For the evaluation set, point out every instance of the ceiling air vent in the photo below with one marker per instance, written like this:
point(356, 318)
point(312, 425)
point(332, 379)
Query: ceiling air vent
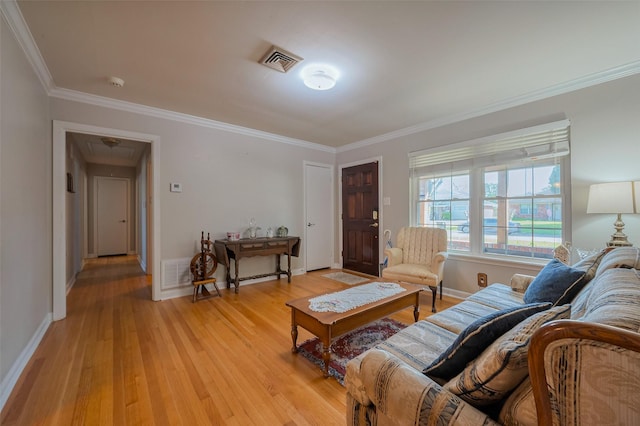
point(279, 59)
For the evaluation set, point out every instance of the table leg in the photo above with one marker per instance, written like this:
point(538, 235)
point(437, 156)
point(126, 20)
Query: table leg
point(289, 267)
point(236, 282)
point(278, 270)
point(326, 354)
point(294, 331)
point(416, 308)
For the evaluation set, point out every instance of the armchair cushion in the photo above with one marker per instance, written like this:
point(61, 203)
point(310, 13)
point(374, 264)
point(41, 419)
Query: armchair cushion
point(503, 365)
point(477, 337)
point(556, 283)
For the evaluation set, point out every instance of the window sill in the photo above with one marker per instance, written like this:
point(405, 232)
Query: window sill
point(505, 261)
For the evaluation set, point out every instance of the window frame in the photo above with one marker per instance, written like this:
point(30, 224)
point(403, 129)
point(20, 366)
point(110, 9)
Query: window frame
point(477, 192)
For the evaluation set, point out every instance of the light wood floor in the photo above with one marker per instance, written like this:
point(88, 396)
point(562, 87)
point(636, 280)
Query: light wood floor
point(120, 358)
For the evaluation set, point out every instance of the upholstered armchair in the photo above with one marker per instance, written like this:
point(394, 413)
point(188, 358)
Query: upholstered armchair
point(418, 258)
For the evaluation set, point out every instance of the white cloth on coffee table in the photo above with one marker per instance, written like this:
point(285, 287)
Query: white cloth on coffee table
point(345, 300)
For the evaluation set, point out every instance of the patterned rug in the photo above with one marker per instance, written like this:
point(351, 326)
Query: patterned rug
point(350, 345)
point(346, 278)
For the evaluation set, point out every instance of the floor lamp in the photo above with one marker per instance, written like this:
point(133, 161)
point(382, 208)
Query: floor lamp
point(617, 198)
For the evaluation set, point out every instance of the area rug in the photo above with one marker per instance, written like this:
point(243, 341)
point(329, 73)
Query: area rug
point(346, 278)
point(350, 345)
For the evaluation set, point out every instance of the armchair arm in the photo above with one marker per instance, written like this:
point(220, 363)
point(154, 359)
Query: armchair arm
point(405, 396)
point(437, 264)
point(394, 254)
point(582, 370)
point(520, 282)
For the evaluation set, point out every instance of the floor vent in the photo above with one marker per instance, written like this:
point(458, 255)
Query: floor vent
point(279, 59)
point(176, 273)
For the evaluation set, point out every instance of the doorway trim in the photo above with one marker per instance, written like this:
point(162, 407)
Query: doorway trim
point(380, 212)
point(60, 129)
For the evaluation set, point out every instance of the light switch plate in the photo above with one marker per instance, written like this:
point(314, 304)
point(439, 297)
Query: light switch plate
point(175, 187)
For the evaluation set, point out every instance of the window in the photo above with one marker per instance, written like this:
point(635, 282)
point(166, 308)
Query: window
point(502, 195)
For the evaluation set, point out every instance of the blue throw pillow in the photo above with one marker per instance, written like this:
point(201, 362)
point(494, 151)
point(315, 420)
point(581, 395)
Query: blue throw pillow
point(556, 283)
point(478, 336)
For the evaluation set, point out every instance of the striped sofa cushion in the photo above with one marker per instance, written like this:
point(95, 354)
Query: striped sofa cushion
point(503, 365)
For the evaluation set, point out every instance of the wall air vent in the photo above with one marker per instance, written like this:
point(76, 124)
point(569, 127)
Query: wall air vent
point(279, 59)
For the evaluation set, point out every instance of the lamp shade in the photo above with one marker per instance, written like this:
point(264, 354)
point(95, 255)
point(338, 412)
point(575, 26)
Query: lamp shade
point(614, 197)
point(636, 195)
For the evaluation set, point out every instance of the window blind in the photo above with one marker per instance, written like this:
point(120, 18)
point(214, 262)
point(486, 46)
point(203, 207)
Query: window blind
point(545, 141)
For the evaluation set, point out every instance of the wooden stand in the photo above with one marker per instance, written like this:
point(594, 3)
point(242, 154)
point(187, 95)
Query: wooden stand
point(247, 247)
point(203, 265)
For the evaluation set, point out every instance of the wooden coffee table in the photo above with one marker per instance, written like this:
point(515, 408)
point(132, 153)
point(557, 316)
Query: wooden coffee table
point(328, 325)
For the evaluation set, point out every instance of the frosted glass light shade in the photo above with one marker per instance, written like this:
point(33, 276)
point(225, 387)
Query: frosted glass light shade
point(319, 77)
point(614, 197)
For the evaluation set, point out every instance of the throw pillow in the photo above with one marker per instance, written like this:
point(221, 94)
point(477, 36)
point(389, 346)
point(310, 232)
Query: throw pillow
point(503, 365)
point(477, 337)
point(556, 283)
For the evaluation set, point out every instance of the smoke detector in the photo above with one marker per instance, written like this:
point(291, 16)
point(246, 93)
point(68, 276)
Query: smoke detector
point(115, 81)
point(279, 59)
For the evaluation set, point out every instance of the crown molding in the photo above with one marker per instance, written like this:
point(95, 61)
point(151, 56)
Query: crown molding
point(616, 73)
point(16, 22)
point(101, 101)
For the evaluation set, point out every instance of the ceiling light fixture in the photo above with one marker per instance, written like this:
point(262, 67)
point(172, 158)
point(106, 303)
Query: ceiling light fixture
point(115, 81)
point(320, 77)
point(110, 142)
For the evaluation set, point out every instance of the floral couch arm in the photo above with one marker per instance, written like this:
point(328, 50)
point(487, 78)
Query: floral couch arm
point(394, 255)
point(403, 396)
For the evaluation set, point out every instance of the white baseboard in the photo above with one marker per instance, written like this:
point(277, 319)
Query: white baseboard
point(10, 380)
point(70, 283)
point(456, 294)
point(142, 264)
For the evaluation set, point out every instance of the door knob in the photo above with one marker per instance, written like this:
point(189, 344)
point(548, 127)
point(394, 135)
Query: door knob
point(122, 221)
point(311, 224)
point(375, 225)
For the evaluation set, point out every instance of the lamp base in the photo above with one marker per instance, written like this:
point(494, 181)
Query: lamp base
point(619, 238)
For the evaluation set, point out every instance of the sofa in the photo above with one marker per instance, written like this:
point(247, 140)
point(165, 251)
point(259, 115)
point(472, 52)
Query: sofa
point(469, 364)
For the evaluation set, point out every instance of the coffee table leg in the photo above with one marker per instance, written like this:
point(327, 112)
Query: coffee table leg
point(326, 355)
point(294, 332)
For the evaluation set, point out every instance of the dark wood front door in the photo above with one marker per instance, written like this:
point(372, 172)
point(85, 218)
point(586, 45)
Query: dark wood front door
point(360, 218)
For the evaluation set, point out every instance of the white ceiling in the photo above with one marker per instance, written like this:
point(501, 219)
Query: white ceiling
point(402, 64)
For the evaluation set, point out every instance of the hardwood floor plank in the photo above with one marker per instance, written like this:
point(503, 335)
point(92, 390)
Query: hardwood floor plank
point(120, 358)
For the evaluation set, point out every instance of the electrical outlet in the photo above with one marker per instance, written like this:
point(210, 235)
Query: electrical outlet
point(482, 279)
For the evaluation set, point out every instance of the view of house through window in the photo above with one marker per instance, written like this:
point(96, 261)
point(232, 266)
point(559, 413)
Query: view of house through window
point(504, 205)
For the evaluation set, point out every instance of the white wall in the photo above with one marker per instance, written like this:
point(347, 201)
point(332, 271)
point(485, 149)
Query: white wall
point(605, 143)
point(226, 178)
point(25, 211)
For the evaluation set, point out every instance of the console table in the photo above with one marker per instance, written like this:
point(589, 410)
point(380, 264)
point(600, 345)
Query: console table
point(248, 247)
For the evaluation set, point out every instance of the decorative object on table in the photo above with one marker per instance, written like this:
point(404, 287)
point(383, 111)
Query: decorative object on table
point(282, 231)
point(269, 232)
point(346, 278)
point(233, 236)
point(349, 345)
point(253, 228)
point(203, 265)
point(617, 198)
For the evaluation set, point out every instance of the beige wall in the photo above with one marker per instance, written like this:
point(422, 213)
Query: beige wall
point(605, 143)
point(25, 208)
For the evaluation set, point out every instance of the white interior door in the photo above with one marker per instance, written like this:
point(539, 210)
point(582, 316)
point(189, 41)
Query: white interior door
point(112, 209)
point(319, 216)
